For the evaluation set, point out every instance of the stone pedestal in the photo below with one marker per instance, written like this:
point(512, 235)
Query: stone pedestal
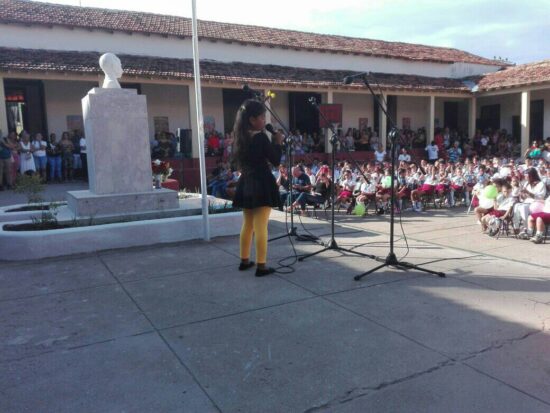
point(88, 204)
point(119, 159)
point(117, 140)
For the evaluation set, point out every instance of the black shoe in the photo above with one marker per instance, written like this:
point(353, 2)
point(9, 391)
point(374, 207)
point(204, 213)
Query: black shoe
point(245, 266)
point(260, 272)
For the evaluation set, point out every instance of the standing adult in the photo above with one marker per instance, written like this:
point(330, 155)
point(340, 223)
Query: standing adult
point(77, 160)
point(433, 152)
point(257, 191)
point(67, 148)
point(13, 140)
point(5, 163)
point(39, 153)
point(27, 165)
point(54, 158)
point(455, 153)
point(83, 157)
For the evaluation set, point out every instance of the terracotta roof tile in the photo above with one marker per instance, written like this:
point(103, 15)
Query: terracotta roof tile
point(521, 75)
point(30, 12)
point(33, 60)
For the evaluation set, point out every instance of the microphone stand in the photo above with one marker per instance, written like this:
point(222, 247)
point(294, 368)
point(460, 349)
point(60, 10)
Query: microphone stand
point(292, 232)
point(391, 258)
point(332, 245)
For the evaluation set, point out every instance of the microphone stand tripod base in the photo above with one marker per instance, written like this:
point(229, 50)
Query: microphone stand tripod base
point(293, 232)
point(391, 261)
point(333, 246)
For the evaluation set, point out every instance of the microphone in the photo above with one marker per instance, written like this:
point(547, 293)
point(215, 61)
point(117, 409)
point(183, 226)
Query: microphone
point(269, 127)
point(349, 79)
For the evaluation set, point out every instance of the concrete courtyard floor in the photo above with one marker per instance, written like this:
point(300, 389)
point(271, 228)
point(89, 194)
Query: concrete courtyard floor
point(177, 328)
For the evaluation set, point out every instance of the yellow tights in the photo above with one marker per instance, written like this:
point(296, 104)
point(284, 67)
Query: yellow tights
point(255, 222)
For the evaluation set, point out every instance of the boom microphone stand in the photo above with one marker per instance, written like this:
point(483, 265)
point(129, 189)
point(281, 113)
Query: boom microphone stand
point(391, 258)
point(332, 244)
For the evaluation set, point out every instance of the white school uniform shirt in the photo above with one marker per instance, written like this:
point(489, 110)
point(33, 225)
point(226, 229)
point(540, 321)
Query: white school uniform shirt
point(368, 188)
point(347, 183)
point(430, 181)
point(458, 180)
point(504, 204)
point(375, 178)
point(412, 180)
point(539, 192)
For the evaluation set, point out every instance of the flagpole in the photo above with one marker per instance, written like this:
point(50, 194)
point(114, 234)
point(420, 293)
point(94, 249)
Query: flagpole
point(200, 123)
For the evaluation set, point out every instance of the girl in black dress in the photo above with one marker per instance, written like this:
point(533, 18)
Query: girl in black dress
point(257, 191)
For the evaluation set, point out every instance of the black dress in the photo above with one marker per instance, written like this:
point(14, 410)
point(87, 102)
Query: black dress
point(257, 186)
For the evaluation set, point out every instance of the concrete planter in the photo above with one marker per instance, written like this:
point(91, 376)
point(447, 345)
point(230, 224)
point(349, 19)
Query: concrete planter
point(6, 216)
point(24, 245)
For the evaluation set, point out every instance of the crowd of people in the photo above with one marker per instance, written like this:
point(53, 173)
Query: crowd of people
point(454, 170)
point(53, 159)
point(521, 185)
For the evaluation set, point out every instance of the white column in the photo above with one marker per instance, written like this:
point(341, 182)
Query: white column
point(525, 120)
point(194, 126)
point(3, 114)
point(430, 127)
point(268, 104)
point(383, 123)
point(327, 132)
point(472, 114)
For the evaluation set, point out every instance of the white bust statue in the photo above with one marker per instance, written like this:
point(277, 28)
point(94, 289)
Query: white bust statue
point(111, 66)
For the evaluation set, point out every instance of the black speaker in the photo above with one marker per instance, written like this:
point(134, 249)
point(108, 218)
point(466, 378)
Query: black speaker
point(185, 138)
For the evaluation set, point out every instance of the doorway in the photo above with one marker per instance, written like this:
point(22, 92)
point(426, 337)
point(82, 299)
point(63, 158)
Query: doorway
point(450, 115)
point(490, 117)
point(302, 114)
point(25, 106)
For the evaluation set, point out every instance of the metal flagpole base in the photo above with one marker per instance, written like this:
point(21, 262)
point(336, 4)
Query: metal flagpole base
point(391, 261)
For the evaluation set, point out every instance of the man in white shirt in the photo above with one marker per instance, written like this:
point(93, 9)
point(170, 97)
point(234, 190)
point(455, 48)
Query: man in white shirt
point(433, 152)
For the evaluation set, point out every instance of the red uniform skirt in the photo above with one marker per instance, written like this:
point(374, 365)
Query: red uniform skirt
point(427, 189)
point(545, 216)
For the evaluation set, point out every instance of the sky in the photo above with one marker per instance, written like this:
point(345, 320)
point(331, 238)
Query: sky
point(518, 30)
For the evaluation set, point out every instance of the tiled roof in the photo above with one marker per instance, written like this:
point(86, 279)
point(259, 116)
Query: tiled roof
point(40, 61)
point(521, 75)
point(30, 12)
